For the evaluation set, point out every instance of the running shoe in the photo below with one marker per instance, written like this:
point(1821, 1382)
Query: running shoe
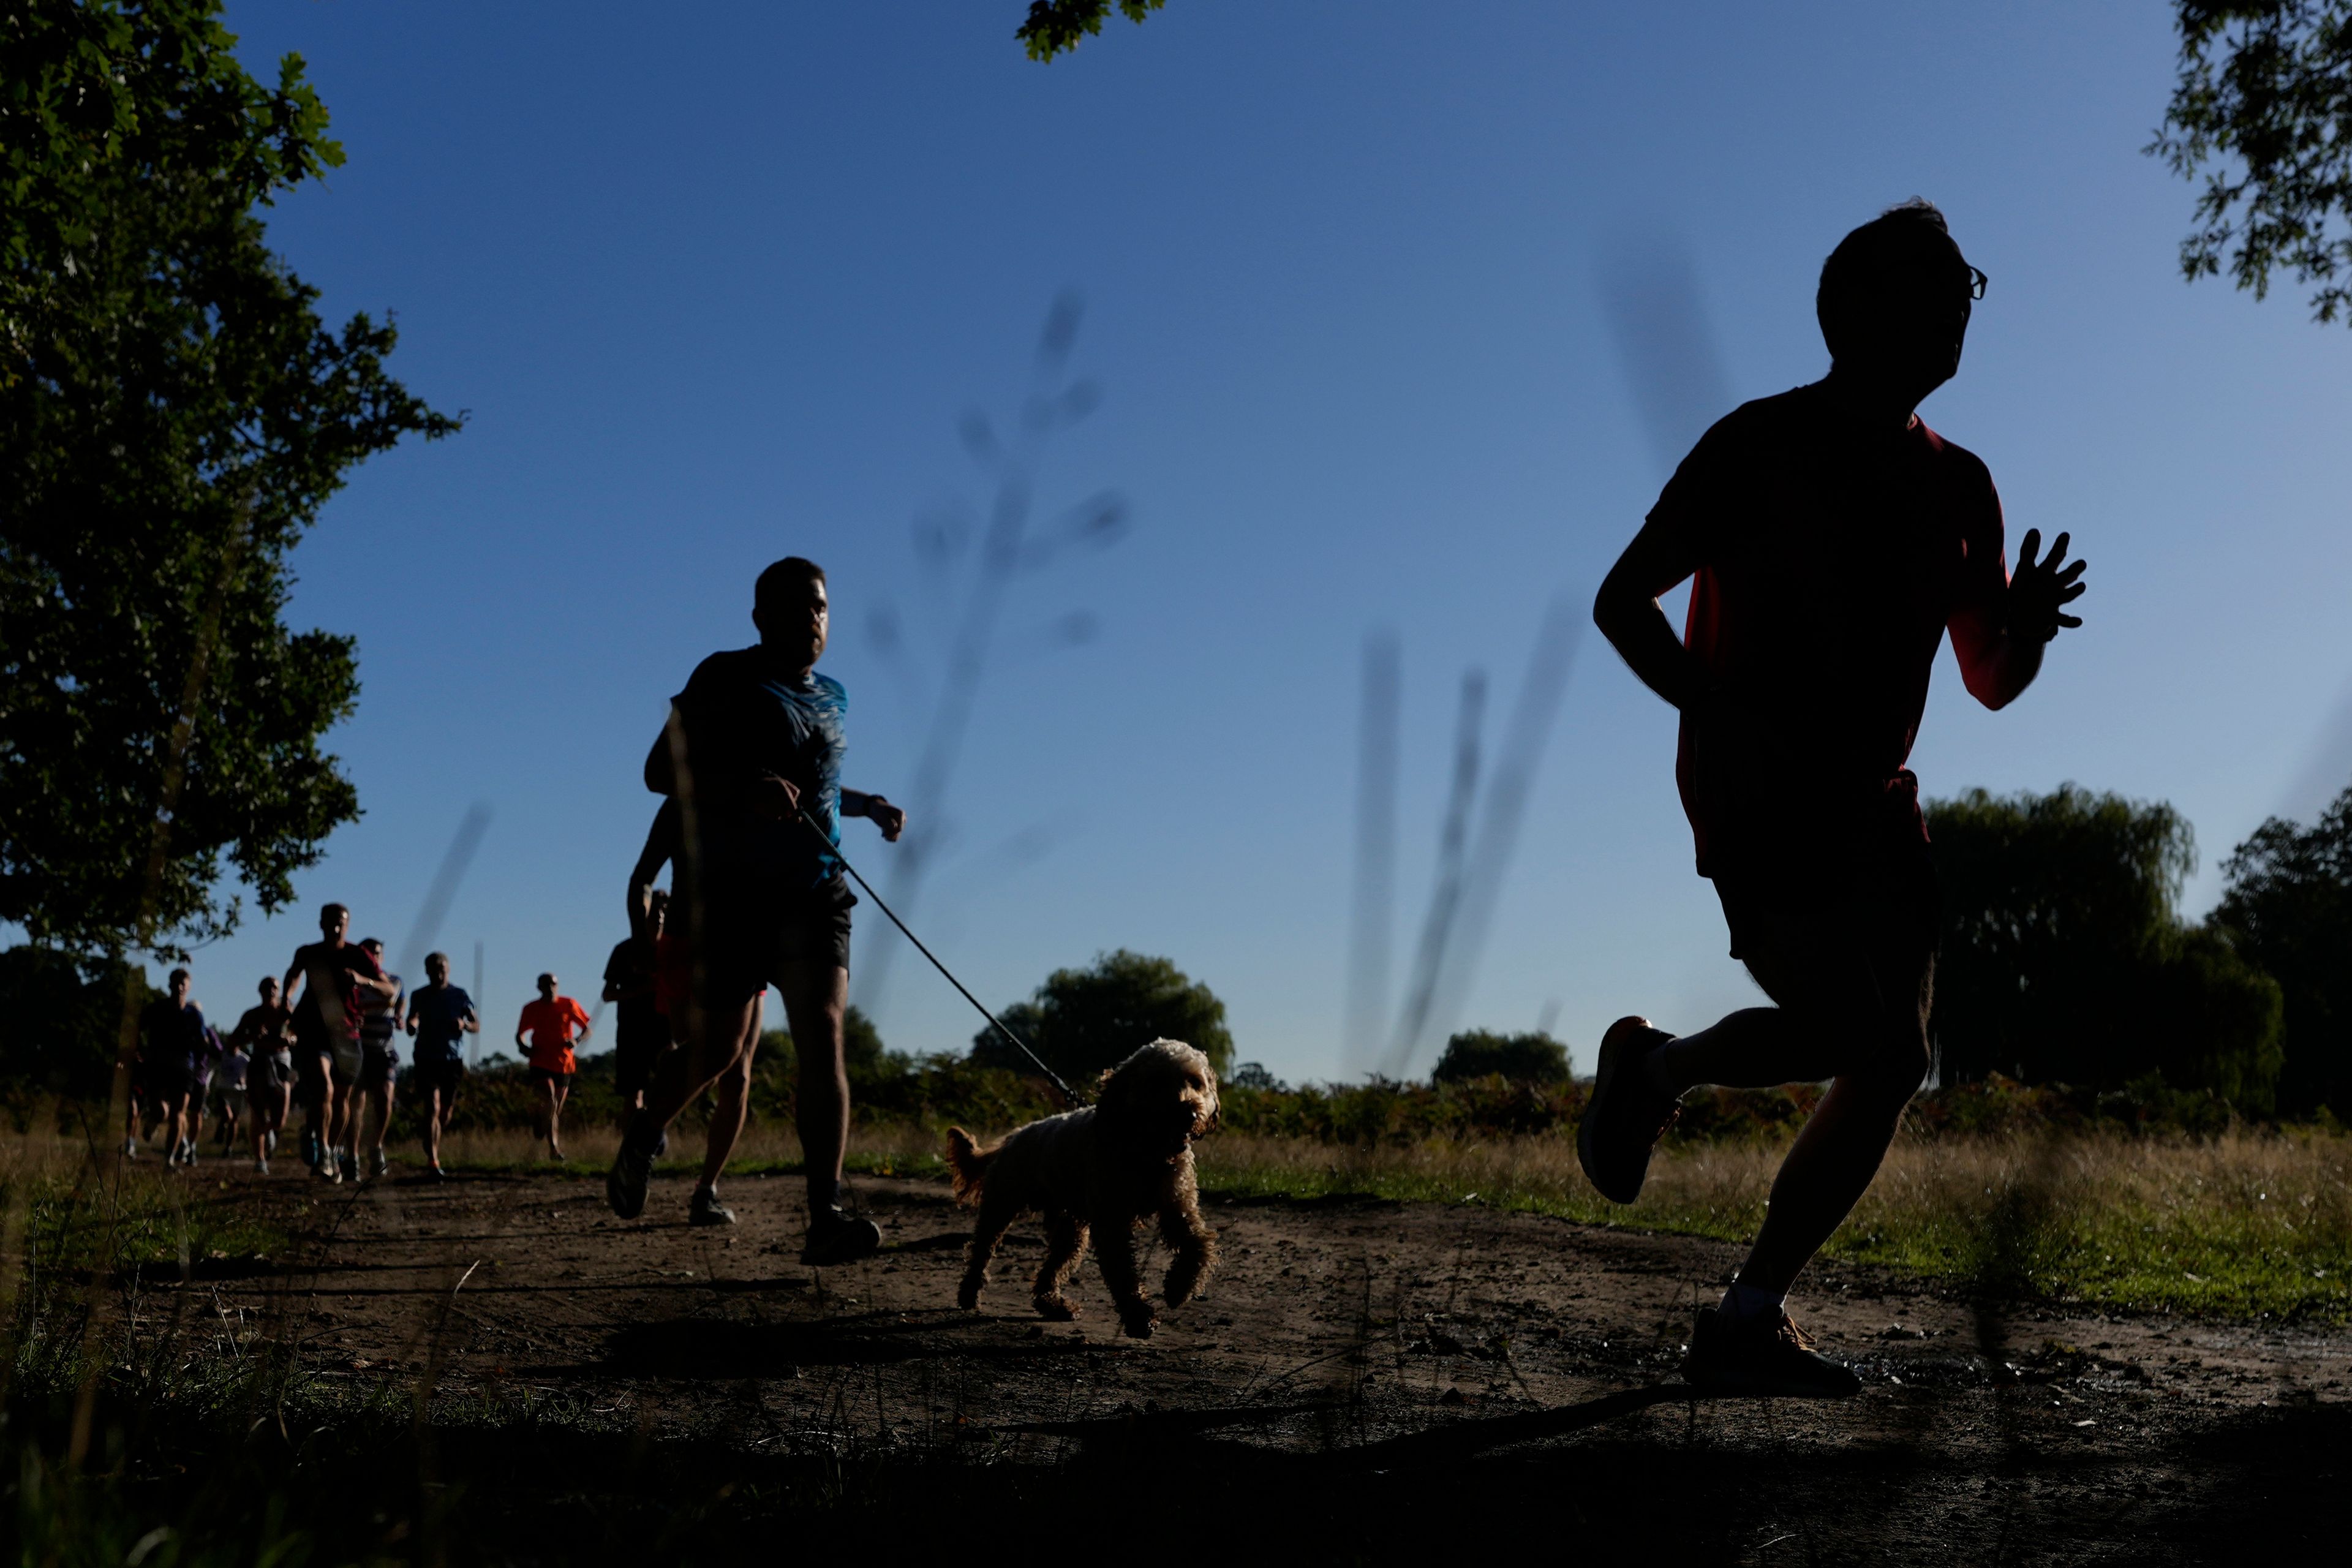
point(327, 1171)
point(377, 1164)
point(261, 1167)
point(835, 1238)
point(706, 1208)
point(1766, 1357)
point(311, 1147)
point(1626, 1115)
point(434, 1173)
point(348, 1160)
point(130, 1148)
point(269, 1142)
point(625, 1183)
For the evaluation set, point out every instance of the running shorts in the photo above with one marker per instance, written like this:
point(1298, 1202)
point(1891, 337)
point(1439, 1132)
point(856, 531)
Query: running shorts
point(378, 1069)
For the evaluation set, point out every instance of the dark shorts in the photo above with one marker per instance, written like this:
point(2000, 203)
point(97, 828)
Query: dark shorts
point(637, 1042)
point(748, 948)
point(440, 1078)
point(163, 1083)
point(547, 1077)
point(378, 1069)
point(1873, 922)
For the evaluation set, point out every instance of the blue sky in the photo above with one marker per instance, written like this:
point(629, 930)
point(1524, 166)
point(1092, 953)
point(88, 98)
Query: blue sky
point(718, 284)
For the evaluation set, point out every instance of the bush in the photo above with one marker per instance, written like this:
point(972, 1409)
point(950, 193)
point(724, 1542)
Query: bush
point(63, 1018)
point(1083, 1021)
point(1523, 1058)
point(2289, 909)
point(2063, 960)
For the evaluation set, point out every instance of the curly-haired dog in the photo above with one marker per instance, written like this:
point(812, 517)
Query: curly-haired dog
point(1100, 1169)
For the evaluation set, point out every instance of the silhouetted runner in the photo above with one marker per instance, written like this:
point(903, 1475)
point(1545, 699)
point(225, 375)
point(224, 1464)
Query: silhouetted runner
point(175, 1052)
point(1834, 538)
point(264, 1031)
point(756, 897)
point(335, 974)
point(440, 1016)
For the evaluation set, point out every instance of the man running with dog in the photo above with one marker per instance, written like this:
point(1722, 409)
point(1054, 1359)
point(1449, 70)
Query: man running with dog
point(757, 895)
point(1834, 540)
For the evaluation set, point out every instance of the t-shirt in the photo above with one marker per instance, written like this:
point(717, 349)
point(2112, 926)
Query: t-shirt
point(1830, 557)
point(329, 1008)
point(743, 720)
point(261, 1027)
point(551, 1025)
point(439, 1014)
point(173, 1039)
point(376, 1026)
point(232, 1069)
point(630, 972)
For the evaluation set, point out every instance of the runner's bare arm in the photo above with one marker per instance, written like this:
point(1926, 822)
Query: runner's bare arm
point(890, 819)
point(1628, 613)
point(661, 846)
point(2001, 647)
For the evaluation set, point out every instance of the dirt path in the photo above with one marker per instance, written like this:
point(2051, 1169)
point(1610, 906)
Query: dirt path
point(1412, 1339)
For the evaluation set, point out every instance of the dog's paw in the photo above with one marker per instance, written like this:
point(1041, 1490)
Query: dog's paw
point(1137, 1322)
point(1056, 1308)
point(968, 1297)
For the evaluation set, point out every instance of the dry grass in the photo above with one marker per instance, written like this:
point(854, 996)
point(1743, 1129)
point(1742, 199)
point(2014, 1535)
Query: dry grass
point(2245, 1225)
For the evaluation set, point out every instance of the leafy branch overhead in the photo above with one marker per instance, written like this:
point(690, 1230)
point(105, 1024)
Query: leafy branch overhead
point(173, 414)
point(1055, 27)
point(2263, 111)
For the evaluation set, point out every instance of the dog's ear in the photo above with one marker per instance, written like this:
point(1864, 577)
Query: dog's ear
point(1115, 1099)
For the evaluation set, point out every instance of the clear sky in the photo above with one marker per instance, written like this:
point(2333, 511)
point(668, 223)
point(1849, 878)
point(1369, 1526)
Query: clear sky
point(720, 283)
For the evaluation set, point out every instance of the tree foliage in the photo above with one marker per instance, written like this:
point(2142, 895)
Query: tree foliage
point(1082, 1021)
point(2063, 959)
point(1522, 1058)
point(172, 416)
point(2262, 111)
point(62, 1019)
point(2289, 907)
point(1055, 27)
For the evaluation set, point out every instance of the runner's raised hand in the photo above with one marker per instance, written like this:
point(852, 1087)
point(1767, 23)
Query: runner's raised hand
point(2040, 591)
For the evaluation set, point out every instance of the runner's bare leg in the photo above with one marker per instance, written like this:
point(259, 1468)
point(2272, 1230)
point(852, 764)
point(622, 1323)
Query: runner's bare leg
point(815, 1001)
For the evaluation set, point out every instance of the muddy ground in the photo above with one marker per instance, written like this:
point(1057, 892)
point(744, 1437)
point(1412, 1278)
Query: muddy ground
point(1362, 1378)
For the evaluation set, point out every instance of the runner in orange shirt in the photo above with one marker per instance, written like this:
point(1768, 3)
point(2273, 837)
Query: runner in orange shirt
point(554, 1024)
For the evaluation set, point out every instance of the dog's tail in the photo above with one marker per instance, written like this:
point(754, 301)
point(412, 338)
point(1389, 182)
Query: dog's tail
point(969, 1162)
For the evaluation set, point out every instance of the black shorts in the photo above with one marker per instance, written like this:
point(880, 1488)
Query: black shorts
point(1883, 909)
point(638, 1042)
point(545, 1076)
point(436, 1077)
point(378, 1069)
point(750, 948)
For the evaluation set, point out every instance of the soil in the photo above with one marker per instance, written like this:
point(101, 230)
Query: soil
point(1360, 1374)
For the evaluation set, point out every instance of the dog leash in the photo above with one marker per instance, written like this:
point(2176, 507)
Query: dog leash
point(994, 1022)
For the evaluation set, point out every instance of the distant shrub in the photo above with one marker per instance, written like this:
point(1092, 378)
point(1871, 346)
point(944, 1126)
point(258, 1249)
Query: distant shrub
point(1523, 1058)
point(1253, 1075)
point(1082, 1021)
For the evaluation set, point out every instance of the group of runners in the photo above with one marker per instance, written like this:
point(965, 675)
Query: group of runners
point(328, 1040)
point(1833, 540)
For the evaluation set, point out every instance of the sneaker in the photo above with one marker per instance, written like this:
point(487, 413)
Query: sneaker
point(1765, 1357)
point(1626, 1116)
point(835, 1238)
point(261, 1167)
point(130, 1148)
point(327, 1171)
point(706, 1208)
point(434, 1173)
point(625, 1183)
point(377, 1164)
point(348, 1161)
point(269, 1142)
point(310, 1148)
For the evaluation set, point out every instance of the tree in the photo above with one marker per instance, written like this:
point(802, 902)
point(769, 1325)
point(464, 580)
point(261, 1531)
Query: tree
point(2289, 907)
point(1055, 27)
point(1481, 1053)
point(172, 416)
point(2063, 959)
point(2263, 110)
point(1082, 1021)
point(61, 1019)
point(990, 1048)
